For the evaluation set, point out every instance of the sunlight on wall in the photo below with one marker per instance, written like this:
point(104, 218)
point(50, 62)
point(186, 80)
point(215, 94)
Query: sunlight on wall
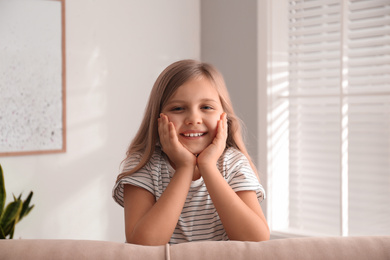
point(90, 99)
point(344, 167)
point(278, 147)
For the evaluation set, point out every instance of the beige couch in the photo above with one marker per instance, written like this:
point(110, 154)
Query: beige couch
point(294, 248)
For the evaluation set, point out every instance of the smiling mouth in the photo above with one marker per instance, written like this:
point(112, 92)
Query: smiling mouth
point(193, 134)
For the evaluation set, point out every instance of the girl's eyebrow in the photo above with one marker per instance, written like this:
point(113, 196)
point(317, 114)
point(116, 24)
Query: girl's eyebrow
point(204, 100)
point(210, 100)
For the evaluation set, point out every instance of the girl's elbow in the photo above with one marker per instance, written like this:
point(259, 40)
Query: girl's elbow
point(144, 239)
point(142, 242)
point(254, 235)
point(262, 234)
point(266, 233)
point(265, 236)
point(260, 237)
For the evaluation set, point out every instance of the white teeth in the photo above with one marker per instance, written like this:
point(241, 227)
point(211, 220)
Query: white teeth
point(193, 134)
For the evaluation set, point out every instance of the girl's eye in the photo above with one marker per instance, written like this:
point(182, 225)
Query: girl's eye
point(177, 109)
point(207, 107)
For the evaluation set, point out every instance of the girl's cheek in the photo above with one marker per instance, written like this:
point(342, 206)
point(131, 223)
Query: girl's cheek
point(175, 126)
point(215, 130)
point(215, 124)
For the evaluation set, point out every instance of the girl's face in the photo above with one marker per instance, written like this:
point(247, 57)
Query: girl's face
point(194, 109)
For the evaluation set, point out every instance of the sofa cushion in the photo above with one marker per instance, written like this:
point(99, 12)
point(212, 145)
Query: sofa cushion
point(42, 249)
point(293, 248)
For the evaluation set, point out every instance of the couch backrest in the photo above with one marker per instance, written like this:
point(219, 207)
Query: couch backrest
point(309, 248)
point(294, 248)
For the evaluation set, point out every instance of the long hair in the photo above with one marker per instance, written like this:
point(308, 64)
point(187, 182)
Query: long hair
point(165, 86)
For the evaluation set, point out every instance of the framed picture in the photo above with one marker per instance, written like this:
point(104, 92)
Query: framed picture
point(32, 77)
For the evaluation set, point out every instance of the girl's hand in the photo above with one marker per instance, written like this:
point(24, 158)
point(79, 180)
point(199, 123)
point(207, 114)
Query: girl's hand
point(171, 145)
point(210, 155)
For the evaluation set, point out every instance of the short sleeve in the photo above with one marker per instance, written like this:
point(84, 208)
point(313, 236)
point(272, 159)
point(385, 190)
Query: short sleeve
point(240, 175)
point(142, 179)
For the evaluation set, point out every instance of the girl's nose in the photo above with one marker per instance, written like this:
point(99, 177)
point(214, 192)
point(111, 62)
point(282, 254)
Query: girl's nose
point(193, 118)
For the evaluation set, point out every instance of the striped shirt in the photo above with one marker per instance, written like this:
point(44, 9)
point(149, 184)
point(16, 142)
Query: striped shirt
point(199, 219)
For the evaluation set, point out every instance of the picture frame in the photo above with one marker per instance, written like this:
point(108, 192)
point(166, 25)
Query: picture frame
point(32, 77)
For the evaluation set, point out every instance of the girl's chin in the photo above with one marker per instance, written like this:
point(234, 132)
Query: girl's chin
point(195, 148)
point(195, 151)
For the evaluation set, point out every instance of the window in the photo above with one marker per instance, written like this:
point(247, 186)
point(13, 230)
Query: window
point(329, 117)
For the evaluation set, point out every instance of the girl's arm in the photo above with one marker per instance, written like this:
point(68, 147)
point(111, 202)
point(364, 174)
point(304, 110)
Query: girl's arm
point(148, 222)
point(240, 213)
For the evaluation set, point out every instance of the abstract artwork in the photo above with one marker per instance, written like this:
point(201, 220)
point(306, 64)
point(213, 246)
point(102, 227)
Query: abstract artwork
point(32, 77)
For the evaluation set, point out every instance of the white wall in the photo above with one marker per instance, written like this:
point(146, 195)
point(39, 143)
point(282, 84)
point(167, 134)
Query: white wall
point(115, 50)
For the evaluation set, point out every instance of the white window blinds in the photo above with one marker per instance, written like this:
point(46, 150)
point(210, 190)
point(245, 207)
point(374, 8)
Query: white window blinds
point(329, 130)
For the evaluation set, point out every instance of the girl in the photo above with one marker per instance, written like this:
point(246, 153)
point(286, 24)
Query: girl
point(187, 175)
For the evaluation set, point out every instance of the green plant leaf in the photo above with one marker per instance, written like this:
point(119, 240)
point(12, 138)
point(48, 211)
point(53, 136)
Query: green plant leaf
point(28, 210)
point(11, 216)
point(11, 233)
point(26, 206)
point(3, 194)
point(12, 213)
point(2, 235)
point(9, 229)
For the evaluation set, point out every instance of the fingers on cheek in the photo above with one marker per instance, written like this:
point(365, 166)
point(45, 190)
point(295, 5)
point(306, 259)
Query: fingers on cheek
point(222, 125)
point(160, 128)
point(161, 123)
point(170, 128)
point(166, 119)
point(164, 123)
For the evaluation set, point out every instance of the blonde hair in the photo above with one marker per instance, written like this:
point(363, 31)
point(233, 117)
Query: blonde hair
point(174, 76)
